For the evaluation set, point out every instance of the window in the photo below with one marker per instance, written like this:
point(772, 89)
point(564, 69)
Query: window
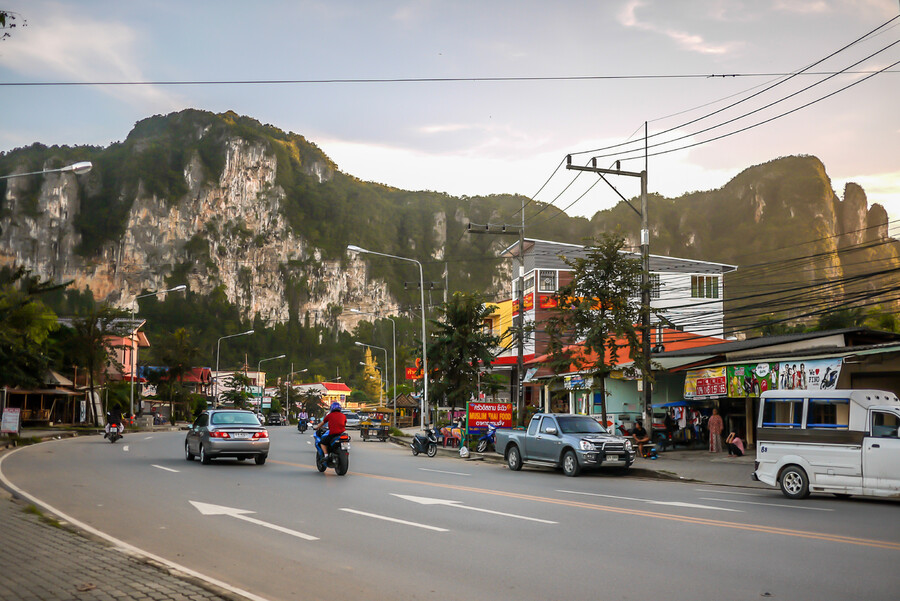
point(529, 283)
point(783, 413)
point(548, 422)
point(828, 413)
point(547, 281)
point(885, 425)
point(654, 285)
point(704, 286)
point(533, 426)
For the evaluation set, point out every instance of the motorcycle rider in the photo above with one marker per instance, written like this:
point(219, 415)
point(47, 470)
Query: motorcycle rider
point(336, 423)
point(113, 420)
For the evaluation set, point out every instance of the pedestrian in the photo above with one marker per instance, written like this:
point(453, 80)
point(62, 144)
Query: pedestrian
point(735, 445)
point(716, 426)
point(640, 436)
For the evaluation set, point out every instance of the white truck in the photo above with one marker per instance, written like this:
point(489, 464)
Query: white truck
point(843, 442)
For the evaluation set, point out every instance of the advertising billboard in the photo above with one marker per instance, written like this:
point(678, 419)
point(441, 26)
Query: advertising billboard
point(480, 414)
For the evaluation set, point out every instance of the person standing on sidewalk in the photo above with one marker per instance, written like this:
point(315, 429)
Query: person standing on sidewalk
point(716, 426)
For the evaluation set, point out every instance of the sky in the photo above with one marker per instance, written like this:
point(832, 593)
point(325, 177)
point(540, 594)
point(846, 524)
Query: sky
point(484, 97)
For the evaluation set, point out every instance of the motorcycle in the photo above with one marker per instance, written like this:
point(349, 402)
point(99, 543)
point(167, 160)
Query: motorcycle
point(488, 440)
point(115, 432)
point(338, 453)
point(302, 425)
point(425, 442)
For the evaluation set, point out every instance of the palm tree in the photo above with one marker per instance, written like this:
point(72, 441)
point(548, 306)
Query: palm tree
point(178, 354)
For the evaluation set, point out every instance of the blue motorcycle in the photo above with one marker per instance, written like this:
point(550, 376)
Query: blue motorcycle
point(488, 440)
point(338, 453)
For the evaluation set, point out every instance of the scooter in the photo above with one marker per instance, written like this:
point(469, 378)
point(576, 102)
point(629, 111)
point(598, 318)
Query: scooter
point(425, 442)
point(115, 432)
point(302, 425)
point(338, 453)
point(488, 440)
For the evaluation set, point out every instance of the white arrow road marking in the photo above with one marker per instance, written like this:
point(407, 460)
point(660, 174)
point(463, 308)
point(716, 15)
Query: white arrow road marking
point(651, 501)
point(768, 504)
point(125, 448)
point(430, 501)
point(395, 520)
point(168, 469)
point(147, 437)
point(209, 509)
point(425, 469)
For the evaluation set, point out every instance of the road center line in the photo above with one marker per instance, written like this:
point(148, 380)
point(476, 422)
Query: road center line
point(768, 504)
point(168, 469)
point(425, 469)
point(395, 520)
point(651, 501)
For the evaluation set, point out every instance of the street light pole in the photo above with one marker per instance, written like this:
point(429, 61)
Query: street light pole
point(385, 361)
point(258, 366)
point(76, 168)
point(287, 387)
point(134, 344)
point(393, 355)
point(218, 345)
point(357, 249)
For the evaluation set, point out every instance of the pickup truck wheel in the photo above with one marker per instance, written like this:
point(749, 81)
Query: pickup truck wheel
point(514, 458)
point(794, 482)
point(570, 464)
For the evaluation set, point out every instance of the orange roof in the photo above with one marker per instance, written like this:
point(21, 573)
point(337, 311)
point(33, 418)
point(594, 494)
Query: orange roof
point(336, 387)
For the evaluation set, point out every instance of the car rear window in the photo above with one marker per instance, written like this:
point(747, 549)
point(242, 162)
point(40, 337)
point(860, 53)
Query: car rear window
point(241, 419)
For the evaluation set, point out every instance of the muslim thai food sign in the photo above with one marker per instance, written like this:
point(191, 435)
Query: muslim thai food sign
point(480, 415)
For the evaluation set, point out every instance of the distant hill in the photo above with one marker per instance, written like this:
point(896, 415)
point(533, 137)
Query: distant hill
point(227, 203)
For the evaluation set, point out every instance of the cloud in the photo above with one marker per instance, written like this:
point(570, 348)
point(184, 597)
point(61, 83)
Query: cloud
point(61, 45)
point(689, 41)
point(803, 7)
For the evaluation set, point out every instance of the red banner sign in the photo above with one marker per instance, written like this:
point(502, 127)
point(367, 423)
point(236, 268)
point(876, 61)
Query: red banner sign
point(547, 302)
point(481, 414)
point(413, 373)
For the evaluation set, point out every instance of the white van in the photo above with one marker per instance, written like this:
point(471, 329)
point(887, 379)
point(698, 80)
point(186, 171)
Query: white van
point(843, 442)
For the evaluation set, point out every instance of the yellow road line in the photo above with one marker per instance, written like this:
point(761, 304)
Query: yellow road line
point(836, 538)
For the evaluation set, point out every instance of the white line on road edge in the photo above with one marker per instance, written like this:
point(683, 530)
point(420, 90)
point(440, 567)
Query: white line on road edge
point(120, 544)
point(651, 501)
point(395, 520)
point(768, 504)
point(425, 469)
point(168, 469)
point(210, 509)
point(430, 501)
point(729, 492)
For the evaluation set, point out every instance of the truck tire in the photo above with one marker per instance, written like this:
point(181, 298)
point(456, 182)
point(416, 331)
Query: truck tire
point(793, 482)
point(570, 463)
point(514, 458)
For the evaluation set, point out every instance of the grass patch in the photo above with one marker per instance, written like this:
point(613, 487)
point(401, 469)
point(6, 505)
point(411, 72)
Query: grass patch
point(33, 510)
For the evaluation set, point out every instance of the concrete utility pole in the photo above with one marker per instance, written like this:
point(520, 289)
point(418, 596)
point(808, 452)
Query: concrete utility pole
point(646, 396)
point(473, 228)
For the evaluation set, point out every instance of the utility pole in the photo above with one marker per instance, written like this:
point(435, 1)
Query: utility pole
point(473, 228)
point(646, 397)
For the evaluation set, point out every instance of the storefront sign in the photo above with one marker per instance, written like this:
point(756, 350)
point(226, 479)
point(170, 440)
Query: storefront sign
point(480, 414)
point(10, 422)
point(529, 301)
point(751, 380)
point(578, 382)
point(413, 373)
point(547, 302)
point(814, 374)
point(705, 383)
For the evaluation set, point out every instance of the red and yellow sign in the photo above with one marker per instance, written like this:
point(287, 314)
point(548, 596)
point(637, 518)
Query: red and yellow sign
point(480, 415)
point(547, 302)
point(709, 382)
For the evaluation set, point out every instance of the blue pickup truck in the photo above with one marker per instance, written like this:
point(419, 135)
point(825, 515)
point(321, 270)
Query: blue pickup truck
point(572, 442)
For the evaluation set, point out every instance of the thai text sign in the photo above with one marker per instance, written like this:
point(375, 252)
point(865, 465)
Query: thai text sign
point(709, 382)
point(10, 422)
point(413, 373)
point(480, 414)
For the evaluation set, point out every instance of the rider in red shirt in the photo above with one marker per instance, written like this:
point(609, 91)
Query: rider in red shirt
point(336, 423)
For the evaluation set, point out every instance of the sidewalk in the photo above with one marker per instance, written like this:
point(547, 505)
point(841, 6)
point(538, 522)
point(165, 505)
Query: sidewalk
point(697, 465)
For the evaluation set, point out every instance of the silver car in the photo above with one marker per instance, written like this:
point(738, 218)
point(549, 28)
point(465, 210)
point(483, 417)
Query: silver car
point(226, 433)
point(352, 419)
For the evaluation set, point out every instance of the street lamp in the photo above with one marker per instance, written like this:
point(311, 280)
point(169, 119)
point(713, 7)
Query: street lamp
point(357, 249)
point(134, 346)
point(385, 360)
point(258, 364)
point(216, 394)
point(287, 388)
point(76, 168)
point(394, 355)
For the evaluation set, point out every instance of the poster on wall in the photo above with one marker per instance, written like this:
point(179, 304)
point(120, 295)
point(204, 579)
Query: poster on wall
point(705, 383)
point(812, 374)
point(751, 380)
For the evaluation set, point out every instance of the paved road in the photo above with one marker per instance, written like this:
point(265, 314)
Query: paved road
point(417, 528)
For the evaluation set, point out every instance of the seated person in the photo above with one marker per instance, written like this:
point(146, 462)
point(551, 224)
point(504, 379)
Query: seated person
point(735, 445)
point(640, 436)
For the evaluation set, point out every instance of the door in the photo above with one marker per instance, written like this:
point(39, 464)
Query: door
point(545, 446)
point(193, 435)
point(881, 452)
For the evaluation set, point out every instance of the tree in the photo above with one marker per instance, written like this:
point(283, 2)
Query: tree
point(8, 21)
point(460, 348)
point(311, 402)
point(598, 310)
point(372, 382)
point(92, 343)
point(25, 326)
point(237, 394)
point(178, 353)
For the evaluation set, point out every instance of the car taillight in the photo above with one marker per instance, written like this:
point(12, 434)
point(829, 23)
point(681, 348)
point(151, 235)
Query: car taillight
point(215, 434)
point(263, 434)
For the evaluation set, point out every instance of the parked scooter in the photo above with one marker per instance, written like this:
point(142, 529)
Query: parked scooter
point(425, 442)
point(338, 453)
point(488, 440)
